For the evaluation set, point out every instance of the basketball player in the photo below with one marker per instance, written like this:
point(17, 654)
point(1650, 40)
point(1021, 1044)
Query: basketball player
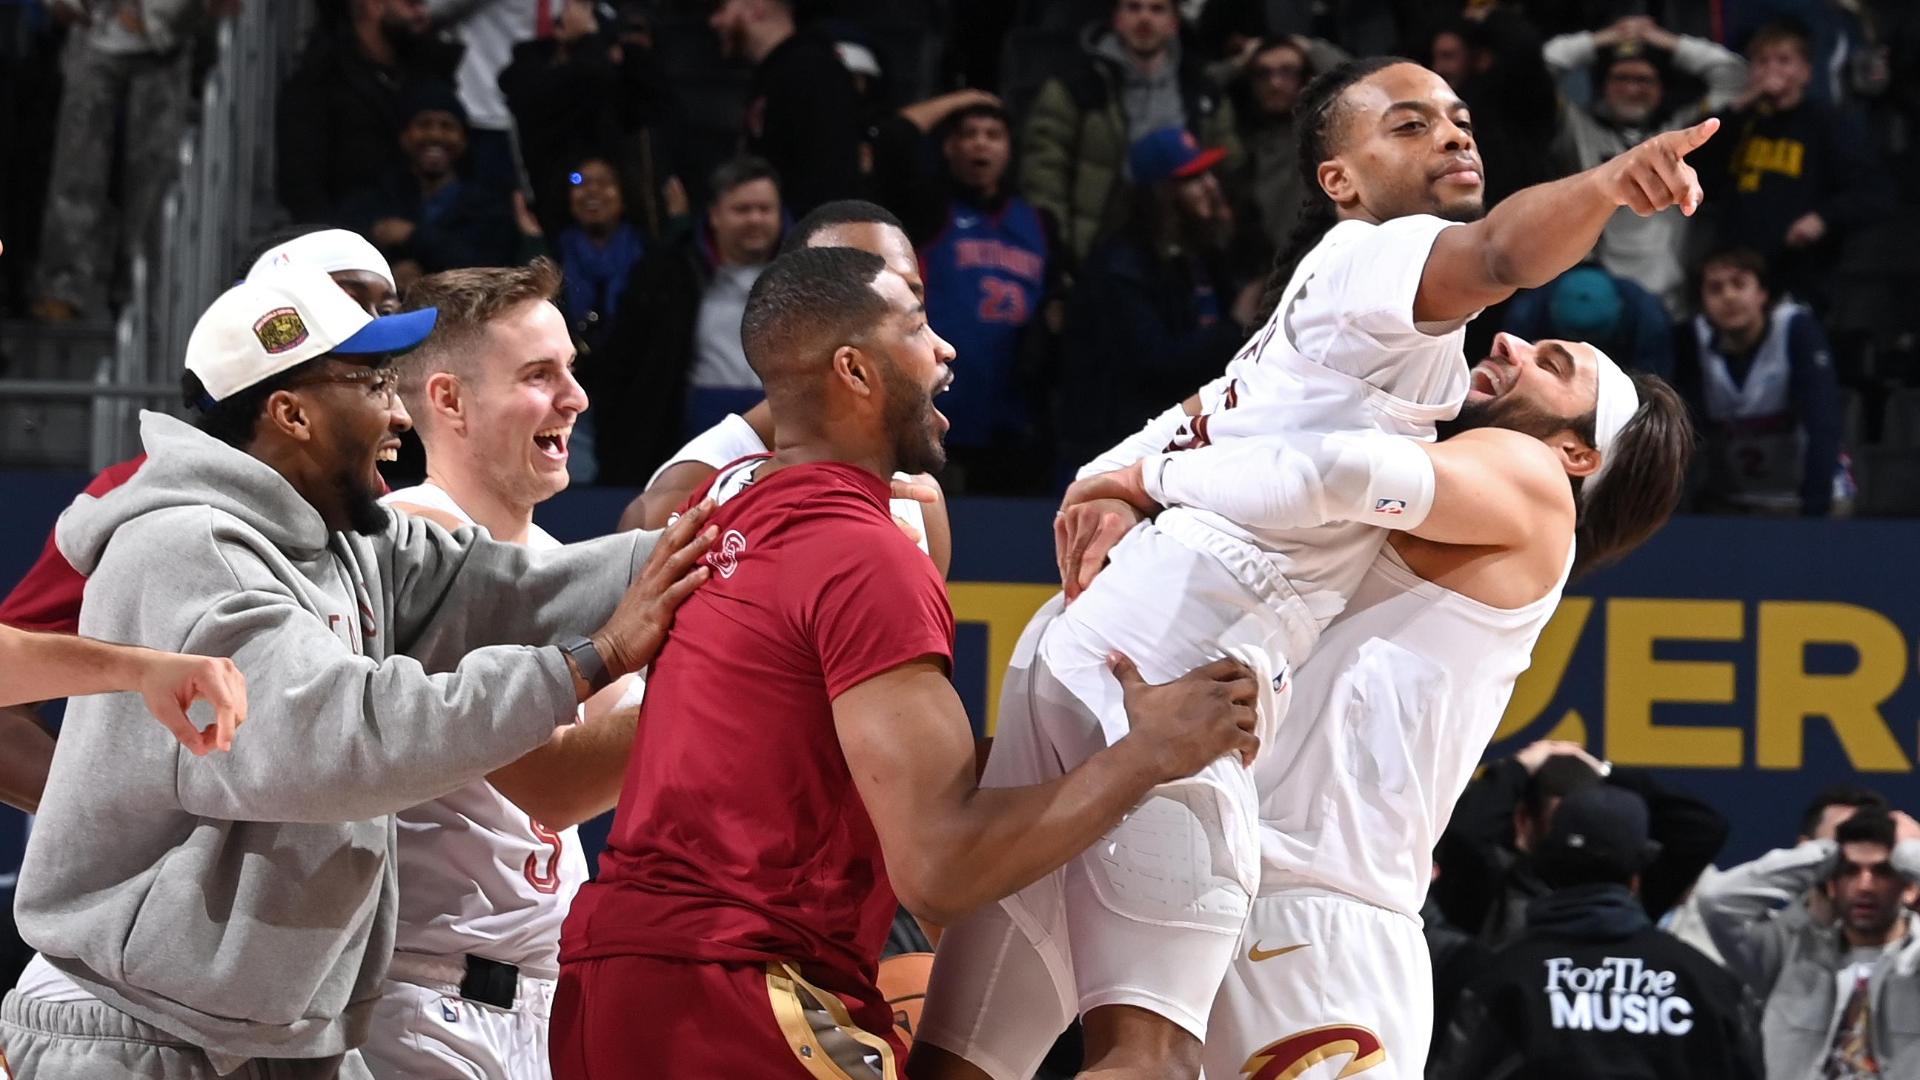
point(197, 917)
point(486, 872)
point(1366, 336)
point(802, 757)
point(47, 597)
point(917, 503)
point(39, 667)
point(1400, 697)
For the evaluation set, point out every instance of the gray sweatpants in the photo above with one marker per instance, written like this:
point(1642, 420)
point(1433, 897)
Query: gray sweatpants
point(44, 1040)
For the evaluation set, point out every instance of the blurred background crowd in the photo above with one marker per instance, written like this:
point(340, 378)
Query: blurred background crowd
point(1096, 189)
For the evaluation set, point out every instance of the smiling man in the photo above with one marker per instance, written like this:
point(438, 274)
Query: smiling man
point(487, 871)
point(201, 916)
point(803, 758)
point(1391, 262)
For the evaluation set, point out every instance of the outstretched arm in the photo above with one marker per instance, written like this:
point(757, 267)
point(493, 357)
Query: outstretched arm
point(951, 845)
point(577, 774)
point(1542, 231)
point(40, 667)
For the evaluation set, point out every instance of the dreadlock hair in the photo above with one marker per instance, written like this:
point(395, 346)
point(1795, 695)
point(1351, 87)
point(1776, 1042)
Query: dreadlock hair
point(1316, 117)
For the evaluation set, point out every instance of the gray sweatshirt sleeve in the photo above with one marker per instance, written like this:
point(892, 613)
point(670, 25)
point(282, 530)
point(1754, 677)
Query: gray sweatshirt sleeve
point(1747, 909)
point(451, 593)
point(1569, 52)
point(1906, 859)
point(332, 735)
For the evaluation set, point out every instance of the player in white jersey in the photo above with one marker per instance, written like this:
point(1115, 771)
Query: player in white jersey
point(1137, 934)
point(1403, 692)
point(487, 872)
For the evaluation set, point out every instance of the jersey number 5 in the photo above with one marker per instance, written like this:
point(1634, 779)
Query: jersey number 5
point(547, 880)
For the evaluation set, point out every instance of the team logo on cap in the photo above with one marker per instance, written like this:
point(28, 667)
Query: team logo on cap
point(279, 330)
point(1295, 1054)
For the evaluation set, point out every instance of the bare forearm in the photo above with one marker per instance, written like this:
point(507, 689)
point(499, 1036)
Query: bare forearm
point(28, 756)
point(1538, 233)
point(1000, 840)
point(40, 667)
point(576, 776)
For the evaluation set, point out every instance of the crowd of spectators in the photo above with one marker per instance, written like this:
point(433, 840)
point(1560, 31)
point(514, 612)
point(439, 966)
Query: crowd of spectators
point(1096, 206)
point(1579, 928)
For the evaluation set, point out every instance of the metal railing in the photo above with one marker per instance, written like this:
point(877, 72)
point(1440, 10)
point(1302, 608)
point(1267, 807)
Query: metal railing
point(219, 201)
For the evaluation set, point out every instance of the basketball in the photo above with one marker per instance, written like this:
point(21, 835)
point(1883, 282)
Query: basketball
point(903, 979)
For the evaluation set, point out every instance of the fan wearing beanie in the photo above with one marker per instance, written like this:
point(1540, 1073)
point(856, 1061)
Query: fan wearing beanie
point(1592, 988)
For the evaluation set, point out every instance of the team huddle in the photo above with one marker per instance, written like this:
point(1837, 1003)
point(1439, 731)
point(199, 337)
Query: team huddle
point(1294, 608)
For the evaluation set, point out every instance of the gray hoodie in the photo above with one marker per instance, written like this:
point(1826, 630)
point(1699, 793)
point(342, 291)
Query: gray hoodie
point(1151, 102)
point(245, 902)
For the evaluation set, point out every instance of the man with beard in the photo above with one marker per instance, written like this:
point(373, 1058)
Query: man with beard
point(1628, 61)
point(1839, 996)
point(1558, 462)
point(1365, 340)
point(802, 757)
point(199, 916)
point(916, 505)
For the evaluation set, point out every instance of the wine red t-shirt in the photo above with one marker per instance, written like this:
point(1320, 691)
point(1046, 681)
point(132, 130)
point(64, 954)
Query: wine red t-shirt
point(740, 836)
point(48, 597)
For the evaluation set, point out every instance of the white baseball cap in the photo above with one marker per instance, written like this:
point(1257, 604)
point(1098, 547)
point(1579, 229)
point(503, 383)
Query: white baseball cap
point(332, 250)
point(284, 317)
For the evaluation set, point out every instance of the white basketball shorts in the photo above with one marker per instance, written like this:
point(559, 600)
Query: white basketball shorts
point(1323, 986)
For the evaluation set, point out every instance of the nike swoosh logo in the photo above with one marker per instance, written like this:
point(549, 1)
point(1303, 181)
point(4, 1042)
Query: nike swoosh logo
point(1257, 954)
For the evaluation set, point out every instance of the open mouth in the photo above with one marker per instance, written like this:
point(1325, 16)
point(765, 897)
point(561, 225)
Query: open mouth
point(552, 442)
point(389, 451)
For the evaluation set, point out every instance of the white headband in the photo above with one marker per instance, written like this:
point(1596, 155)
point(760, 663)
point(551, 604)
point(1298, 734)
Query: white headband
point(331, 250)
point(1615, 402)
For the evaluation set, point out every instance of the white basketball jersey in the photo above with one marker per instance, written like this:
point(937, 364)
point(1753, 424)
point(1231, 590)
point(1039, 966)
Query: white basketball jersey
point(1341, 353)
point(1390, 716)
point(1757, 448)
point(733, 438)
point(477, 874)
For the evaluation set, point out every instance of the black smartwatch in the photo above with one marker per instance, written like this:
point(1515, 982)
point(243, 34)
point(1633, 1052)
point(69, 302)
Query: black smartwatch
point(586, 657)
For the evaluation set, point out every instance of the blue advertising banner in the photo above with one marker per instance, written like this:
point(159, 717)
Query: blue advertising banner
point(1751, 661)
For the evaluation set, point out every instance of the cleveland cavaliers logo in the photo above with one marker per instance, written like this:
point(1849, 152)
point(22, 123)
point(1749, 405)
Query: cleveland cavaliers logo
point(1295, 1054)
point(280, 330)
point(727, 559)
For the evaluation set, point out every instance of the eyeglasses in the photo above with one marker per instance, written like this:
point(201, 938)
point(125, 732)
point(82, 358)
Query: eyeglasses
point(382, 383)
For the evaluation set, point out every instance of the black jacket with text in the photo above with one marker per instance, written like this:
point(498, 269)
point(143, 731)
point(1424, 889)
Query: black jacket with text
point(1592, 991)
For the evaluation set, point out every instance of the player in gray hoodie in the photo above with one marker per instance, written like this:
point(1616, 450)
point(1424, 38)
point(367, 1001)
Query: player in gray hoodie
point(234, 914)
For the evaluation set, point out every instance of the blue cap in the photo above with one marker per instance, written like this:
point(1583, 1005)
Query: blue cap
point(390, 333)
point(1170, 154)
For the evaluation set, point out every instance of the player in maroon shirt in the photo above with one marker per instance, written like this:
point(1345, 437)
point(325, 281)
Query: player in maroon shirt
point(802, 757)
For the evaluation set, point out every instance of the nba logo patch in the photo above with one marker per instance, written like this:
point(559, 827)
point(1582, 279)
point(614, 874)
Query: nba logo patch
point(1390, 506)
point(449, 1011)
point(279, 330)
